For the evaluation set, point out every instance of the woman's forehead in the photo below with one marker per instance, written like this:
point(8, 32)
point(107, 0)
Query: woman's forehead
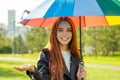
point(64, 24)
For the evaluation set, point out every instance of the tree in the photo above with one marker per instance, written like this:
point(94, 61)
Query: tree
point(5, 42)
point(36, 38)
point(103, 39)
point(20, 46)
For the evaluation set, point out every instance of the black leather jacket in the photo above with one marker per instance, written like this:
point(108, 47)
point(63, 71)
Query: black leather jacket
point(42, 71)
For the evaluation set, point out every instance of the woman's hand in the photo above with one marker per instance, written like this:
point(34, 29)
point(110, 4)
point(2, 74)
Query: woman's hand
point(81, 74)
point(25, 67)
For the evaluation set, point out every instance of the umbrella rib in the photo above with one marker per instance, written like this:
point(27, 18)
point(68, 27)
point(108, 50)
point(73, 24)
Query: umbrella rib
point(42, 22)
point(106, 20)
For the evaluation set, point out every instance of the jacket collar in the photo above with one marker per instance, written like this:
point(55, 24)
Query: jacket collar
point(73, 67)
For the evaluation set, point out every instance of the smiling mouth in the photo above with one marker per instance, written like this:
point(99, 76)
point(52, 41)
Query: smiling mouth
point(65, 38)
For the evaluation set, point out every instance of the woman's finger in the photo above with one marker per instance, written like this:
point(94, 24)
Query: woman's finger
point(83, 74)
point(21, 68)
point(25, 67)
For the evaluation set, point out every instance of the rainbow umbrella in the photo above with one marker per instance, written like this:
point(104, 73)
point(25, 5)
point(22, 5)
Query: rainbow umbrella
point(86, 13)
point(108, 12)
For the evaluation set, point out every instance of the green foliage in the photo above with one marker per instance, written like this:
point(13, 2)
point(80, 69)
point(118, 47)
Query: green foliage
point(6, 49)
point(37, 38)
point(5, 42)
point(102, 39)
point(19, 45)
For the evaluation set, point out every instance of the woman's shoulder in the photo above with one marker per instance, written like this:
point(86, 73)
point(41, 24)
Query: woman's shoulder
point(43, 56)
point(44, 52)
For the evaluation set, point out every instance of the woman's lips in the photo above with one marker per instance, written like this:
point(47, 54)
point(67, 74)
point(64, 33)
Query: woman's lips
point(64, 38)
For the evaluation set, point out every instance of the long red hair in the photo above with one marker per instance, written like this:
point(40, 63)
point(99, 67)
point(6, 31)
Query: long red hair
point(56, 65)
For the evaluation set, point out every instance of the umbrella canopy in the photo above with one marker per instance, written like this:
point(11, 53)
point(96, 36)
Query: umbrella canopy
point(92, 12)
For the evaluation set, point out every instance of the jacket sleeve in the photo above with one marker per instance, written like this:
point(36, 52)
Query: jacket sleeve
point(42, 70)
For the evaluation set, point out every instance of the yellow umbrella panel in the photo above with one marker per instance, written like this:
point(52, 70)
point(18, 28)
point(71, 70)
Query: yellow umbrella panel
point(113, 20)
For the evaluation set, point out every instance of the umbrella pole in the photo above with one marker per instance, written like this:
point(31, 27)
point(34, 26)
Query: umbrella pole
point(81, 60)
point(80, 34)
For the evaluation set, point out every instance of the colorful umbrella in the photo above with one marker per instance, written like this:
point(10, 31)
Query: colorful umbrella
point(86, 13)
point(88, 9)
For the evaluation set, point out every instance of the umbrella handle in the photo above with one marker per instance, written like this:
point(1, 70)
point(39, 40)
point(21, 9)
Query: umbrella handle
point(82, 67)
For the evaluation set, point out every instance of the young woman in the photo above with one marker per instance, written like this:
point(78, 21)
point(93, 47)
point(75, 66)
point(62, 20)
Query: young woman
point(60, 59)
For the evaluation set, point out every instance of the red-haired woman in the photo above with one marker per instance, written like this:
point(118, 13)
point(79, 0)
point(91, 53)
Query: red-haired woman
point(60, 59)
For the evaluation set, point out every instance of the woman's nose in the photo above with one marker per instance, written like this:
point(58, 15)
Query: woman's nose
point(65, 32)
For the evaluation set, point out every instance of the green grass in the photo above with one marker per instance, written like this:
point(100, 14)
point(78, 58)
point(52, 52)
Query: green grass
point(6, 66)
point(102, 74)
point(103, 60)
point(8, 73)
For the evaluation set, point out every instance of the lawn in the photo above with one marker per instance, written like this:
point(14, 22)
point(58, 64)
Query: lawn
point(6, 66)
point(8, 73)
point(103, 60)
point(102, 74)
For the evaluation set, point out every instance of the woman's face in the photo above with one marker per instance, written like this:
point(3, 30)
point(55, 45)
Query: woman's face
point(64, 33)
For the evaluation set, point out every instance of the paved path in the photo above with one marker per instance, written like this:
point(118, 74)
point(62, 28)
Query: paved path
point(16, 59)
point(88, 65)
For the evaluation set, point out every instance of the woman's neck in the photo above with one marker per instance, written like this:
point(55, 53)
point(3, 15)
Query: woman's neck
point(64, 47)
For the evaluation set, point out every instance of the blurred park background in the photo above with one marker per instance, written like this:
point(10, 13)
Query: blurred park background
point(22, 44)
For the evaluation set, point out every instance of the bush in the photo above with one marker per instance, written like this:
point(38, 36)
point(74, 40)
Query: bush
point(6, 49)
